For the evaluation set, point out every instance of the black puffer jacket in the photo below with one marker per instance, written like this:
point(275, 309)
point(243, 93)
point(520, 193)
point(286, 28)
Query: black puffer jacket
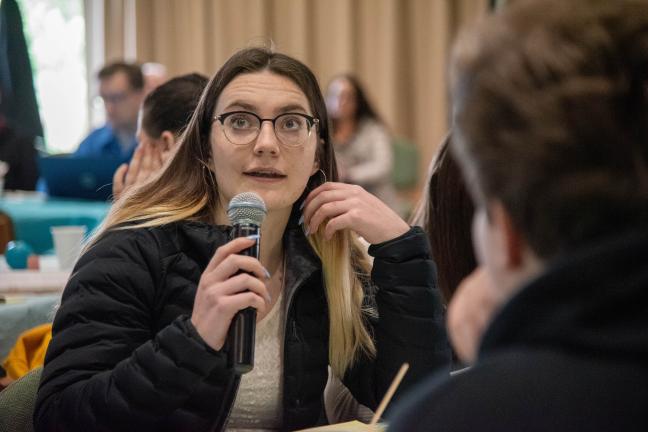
point(124, 355)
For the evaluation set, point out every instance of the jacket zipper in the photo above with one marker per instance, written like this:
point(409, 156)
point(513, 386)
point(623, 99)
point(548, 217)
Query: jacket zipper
point(289, 333)
point(223, 425)
point(298, 344)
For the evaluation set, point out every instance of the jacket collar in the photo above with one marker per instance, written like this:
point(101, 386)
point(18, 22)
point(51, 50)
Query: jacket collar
point(594, 301)
point(301, 259)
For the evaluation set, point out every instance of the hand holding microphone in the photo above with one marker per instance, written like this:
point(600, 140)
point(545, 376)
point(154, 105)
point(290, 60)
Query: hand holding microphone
point(233, 282)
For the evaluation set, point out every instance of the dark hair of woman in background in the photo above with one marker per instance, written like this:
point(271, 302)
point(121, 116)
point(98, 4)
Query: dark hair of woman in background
point(362, 142)
point(446, 213)
point(164, 114)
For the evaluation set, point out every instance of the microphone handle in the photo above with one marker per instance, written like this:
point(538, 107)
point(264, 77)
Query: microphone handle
point(242, 331)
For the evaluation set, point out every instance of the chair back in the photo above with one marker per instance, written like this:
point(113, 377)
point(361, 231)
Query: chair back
point(17, 403)
point(406, 159)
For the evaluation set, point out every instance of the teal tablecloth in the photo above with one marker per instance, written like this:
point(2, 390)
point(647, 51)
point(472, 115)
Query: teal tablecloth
point(33, 216)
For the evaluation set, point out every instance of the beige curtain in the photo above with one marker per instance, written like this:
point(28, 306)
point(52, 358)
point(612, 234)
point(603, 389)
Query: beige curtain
point(398, 48)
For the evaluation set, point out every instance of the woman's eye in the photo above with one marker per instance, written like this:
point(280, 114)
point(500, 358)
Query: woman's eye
point(240, 122)
point(292, 123)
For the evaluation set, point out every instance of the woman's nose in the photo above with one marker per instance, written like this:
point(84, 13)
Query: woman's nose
point(267, 141)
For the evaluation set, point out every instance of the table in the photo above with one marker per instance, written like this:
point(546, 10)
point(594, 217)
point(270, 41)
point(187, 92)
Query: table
point(18, 283)
point(33, 214)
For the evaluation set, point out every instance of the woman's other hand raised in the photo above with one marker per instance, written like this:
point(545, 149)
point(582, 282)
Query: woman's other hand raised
point(343, 206)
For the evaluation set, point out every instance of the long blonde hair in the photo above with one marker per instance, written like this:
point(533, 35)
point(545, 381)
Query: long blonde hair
point(187, 190)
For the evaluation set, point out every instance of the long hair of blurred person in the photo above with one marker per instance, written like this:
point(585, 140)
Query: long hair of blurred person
point(445, 212)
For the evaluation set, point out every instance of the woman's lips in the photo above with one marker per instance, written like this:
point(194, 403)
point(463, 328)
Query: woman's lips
point(265, 176)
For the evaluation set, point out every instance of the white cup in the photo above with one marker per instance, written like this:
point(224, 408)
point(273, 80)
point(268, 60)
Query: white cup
point(68, 241)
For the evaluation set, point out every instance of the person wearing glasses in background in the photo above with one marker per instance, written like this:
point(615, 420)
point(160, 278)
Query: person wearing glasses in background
point(139, 339)
point(121, 87)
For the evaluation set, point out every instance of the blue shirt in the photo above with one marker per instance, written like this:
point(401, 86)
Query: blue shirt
point(104, 142)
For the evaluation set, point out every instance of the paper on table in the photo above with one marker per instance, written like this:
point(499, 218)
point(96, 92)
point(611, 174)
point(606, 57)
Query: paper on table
point(352, 426)
point(356, 426)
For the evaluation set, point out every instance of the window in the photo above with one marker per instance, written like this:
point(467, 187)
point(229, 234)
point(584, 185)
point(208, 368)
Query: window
point(56, 38)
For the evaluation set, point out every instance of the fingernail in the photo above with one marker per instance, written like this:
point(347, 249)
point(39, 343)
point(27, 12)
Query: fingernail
point(301, 206)
point(307, 231)
point(267, 273)
point(269, 298)
point(301, 220)
point(253, 237)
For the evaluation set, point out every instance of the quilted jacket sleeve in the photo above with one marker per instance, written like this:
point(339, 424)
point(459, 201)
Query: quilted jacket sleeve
point(411, 323)
point(106, 369)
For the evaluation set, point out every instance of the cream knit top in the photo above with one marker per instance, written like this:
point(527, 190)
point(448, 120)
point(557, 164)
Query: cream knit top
point(258, 405)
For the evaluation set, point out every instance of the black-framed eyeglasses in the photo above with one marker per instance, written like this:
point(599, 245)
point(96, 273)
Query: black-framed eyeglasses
point(243, 127)
point(115, 98)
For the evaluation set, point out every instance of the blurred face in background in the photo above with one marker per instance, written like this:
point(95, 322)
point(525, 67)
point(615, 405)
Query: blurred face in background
point(341, 99)
point(121, 101)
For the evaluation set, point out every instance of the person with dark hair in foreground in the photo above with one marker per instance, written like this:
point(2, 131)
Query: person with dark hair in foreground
point(164, 114)
point(550, 111)
point(140, 339)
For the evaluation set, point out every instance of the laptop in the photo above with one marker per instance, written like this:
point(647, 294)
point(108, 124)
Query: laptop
point(79, 177)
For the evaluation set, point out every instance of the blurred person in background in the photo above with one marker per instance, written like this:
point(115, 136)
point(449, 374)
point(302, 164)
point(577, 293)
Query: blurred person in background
point(121, 86)
point(363, 145)
point(163, 117)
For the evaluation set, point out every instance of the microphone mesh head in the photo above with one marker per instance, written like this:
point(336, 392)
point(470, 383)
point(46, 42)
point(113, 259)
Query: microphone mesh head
point(246, 208)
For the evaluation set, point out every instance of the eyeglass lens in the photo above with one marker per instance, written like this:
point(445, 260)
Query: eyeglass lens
point(242, 128)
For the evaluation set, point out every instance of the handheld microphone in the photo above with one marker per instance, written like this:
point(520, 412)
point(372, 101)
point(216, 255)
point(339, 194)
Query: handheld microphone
point(246, 212)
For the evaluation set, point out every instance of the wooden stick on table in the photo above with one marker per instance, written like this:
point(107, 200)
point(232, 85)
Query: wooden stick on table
point(390, 392)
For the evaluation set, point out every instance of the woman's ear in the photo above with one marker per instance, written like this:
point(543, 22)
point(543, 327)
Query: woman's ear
point(318, 153)
point(168, 140)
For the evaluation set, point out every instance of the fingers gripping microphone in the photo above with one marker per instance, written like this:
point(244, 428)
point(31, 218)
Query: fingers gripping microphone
point(246, 212)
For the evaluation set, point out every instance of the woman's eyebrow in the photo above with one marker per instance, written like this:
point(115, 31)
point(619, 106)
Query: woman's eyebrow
point(292, 108)
point(240, 104)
